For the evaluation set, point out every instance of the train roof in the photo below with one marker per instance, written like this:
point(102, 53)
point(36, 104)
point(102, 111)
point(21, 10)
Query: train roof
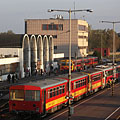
point(74, 76)
point(45, 83)
point(90, 71)
point(104, 67)
point(49, 82)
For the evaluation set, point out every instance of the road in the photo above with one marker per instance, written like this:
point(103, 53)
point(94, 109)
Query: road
point(100, 106)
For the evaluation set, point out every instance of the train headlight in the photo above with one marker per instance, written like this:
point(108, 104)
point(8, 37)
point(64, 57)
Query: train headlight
point(37, 109)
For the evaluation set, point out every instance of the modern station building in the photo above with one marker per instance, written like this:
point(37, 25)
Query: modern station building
point(59, 29)
point(25, 54)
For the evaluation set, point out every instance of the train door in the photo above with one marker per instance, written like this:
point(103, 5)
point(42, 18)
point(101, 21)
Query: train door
point(44, 101)
point(104, 79)
point(90, 82)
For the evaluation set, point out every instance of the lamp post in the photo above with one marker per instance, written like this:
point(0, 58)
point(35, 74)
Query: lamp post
point(112, 22)
point(69, 76)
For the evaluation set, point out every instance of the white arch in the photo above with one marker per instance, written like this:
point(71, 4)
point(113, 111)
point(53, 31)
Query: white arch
point(33, 46)
point(51, 49)
point(45, 51)
point(26, 53)
point(40, 51)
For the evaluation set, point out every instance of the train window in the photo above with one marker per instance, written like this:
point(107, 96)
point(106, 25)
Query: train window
point(96, 77)
point(110, 73)
point(50, 93)
point(54, 92)
point(63, 88)
point(60, 89)
point(32, 95)
point(57, 90)
point(80, 83)
point(118, 69)
point(63, 63)
point(17, 95)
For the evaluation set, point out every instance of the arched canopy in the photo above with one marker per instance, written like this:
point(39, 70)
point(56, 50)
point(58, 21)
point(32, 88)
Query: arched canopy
point(33, 46)
point(51, 49)
point(26, 52)
point(40, 51)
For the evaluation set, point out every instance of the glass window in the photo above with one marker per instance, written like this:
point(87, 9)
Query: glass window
point(50, 93)
point(63, 88)
point(17, 95)
point(32, 95)
point(60, 89)
point(57, 90)
point(44, 27)
point(54, 92)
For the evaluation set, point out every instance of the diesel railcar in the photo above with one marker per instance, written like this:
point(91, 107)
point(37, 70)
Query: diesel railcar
point(49, 95)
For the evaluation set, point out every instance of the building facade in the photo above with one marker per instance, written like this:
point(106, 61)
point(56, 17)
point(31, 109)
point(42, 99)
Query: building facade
point(59, 29)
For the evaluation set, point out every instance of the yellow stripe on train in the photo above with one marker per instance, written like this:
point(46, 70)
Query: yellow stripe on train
point(55, 102)
point(96, 85)
point(79, 92)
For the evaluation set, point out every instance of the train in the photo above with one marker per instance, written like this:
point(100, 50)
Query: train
point(78, 64)
point(51, 94)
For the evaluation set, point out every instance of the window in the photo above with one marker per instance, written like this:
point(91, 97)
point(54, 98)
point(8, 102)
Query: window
point(55, 47)
point(57, 90)
point(32, 95)
point(52, 26)
point(44, 27)
point(96, 77)
point(63, 88)
point(82, 28)
point(54, 92)
point(60, 89)
point(17, 95)
point(110, 73)
point(50, 93)
point(54, 36)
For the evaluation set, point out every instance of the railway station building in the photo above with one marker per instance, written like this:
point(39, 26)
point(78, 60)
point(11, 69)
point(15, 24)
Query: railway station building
point(59, 29)
point(31, 52)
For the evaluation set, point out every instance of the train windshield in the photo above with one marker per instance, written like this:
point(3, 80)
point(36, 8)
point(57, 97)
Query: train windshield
point(32, 95)
point(17, 95)
point(63, 63)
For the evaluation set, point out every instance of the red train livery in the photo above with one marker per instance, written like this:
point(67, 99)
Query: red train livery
point(78, 64)
point(49, 95)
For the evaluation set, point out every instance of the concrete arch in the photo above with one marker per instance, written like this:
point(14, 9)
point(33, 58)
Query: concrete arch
point(40, 51)
point(46, 53)
point(51, 49)
point(26, 54)
point(33, 46)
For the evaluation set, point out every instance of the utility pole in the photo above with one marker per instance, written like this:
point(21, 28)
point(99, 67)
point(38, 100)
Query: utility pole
point(69, 76)
point(112, 22)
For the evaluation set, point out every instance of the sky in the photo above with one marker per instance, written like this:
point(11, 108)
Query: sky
point(14, 12)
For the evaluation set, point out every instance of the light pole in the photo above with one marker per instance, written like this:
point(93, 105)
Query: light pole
point(69, 76)
point(112, 22)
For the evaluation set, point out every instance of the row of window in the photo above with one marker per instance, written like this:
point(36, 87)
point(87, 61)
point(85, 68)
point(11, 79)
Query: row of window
point(56, 91)
point(79, 83)
point(96, 77)
point(52, 27)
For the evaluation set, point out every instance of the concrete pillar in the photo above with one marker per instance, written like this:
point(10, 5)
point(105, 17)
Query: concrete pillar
point(40, 51)
point(33, 47)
